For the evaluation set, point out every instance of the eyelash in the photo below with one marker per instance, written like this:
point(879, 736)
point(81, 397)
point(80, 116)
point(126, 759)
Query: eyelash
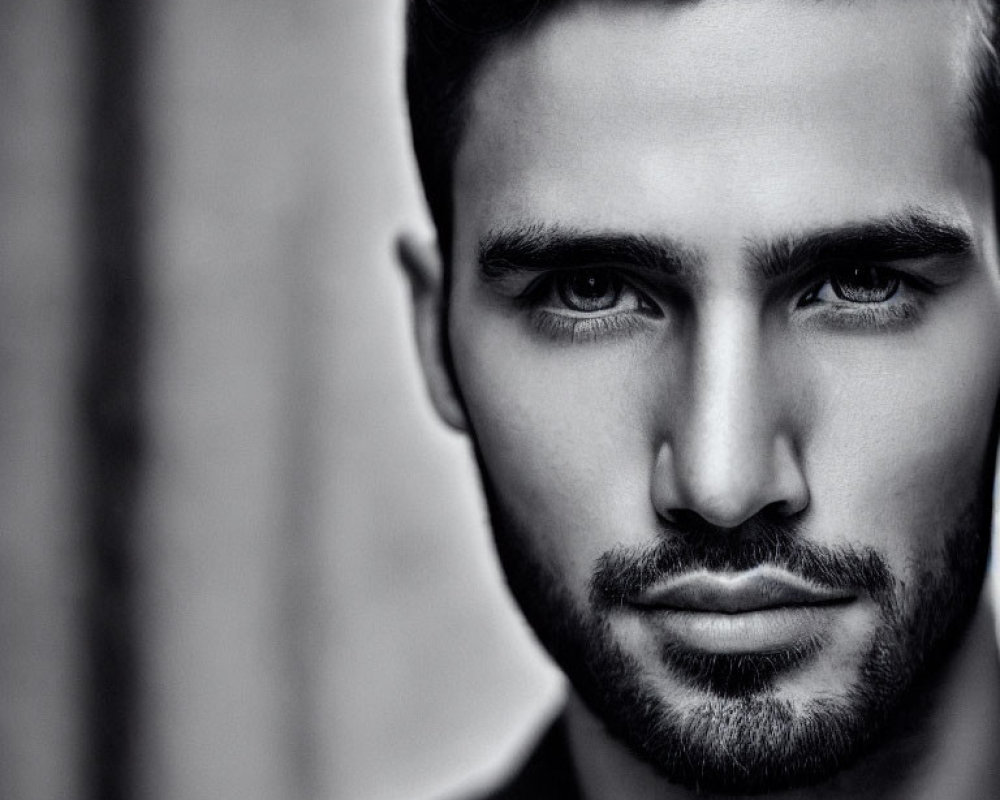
point(565, 325)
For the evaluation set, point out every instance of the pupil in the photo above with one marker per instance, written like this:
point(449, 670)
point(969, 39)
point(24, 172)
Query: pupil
point(591, 284)
point(869, 278)
point(589, 290)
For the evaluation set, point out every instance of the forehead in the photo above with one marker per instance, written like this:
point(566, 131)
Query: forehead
point(764, 111)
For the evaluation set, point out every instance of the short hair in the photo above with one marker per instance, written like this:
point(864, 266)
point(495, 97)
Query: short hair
point(447, 41)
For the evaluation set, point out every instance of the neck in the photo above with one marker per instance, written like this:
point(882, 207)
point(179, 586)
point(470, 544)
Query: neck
point(952, 752)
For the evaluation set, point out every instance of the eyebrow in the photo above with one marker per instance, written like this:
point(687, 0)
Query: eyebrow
point(537, 247)
point(913, 234)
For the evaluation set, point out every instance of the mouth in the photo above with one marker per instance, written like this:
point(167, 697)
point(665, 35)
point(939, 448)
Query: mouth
point(761, 589)
point(765, 610)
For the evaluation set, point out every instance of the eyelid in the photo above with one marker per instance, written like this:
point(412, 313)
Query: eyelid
point(544, 282)
point(912, 271)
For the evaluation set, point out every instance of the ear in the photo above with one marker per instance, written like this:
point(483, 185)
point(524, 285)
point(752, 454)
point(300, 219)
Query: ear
point(421, 262)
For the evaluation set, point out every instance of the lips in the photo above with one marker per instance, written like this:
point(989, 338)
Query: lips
point(761, 589)
point(764, 610)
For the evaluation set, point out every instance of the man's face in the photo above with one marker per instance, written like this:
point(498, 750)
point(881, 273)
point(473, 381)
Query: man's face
point(723, 318)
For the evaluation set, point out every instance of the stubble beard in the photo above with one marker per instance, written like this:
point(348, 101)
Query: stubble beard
point(741, 738)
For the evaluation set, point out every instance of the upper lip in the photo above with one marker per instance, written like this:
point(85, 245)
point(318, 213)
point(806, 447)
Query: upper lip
point(737, 592)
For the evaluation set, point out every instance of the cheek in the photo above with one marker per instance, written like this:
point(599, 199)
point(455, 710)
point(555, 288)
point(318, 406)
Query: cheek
point(899, 447)
point(562, 440)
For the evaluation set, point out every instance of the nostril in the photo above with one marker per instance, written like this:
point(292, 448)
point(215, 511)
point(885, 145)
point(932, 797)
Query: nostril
point(783, 510)
point(693, 522)
point(720, 523)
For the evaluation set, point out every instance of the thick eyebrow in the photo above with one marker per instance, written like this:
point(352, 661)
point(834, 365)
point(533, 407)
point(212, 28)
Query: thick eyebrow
point(913, 234)
point(513, 250)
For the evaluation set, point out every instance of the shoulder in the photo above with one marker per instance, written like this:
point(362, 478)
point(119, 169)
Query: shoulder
point(546, 773)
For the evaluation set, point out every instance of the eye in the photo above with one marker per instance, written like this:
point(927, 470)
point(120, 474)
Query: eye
point(586, 304)
point(859, 284)
point(866, 297)
point(589, 290)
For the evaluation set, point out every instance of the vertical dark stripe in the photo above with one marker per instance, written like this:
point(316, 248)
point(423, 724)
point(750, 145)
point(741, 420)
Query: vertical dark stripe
point(114, 427)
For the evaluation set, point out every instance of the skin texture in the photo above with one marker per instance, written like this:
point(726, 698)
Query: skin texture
point(716, 399)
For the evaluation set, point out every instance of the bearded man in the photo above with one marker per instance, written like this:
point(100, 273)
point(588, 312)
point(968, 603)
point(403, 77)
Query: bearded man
point(716, 298)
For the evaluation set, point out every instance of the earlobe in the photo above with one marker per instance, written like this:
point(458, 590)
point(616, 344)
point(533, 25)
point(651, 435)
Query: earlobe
point(421, 262)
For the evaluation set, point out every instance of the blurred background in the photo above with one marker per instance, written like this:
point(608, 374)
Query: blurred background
point(239, 558)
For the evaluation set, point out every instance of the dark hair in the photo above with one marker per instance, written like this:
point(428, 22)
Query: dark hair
point(447, 40)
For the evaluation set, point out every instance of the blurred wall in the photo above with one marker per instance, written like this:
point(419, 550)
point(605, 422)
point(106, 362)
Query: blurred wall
point(42, 560)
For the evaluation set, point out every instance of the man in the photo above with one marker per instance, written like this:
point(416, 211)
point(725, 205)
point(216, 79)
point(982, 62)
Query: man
point(716, 302)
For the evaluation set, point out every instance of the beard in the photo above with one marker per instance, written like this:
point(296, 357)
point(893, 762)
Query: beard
point(739, 737)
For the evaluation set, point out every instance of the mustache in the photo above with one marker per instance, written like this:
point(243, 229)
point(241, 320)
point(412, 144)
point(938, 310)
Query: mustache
point(623, 573)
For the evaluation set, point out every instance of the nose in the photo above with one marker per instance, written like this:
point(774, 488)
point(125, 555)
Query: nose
point(730, 444)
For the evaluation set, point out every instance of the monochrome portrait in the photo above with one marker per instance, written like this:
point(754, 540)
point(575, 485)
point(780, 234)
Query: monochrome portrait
point(499, 399)
point(713, 297)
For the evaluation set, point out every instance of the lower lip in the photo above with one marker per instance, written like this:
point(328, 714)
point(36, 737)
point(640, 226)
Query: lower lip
point(767, 630)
